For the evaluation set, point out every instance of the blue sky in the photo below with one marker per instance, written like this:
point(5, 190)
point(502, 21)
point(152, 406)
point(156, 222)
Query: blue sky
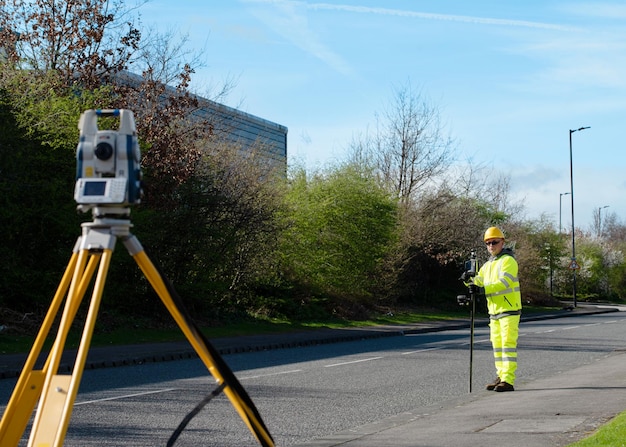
point(510, 80)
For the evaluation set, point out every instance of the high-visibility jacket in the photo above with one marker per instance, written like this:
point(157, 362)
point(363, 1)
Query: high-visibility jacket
point(499, 278)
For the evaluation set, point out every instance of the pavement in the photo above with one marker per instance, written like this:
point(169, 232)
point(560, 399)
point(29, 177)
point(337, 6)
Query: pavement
point(553, 411)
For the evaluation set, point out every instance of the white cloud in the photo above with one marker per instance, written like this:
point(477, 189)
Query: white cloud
point(536, 177)
point(540, 188)
point(596, 58)
point(605, 10)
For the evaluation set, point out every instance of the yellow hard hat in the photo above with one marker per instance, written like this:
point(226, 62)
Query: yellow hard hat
point(493, 233)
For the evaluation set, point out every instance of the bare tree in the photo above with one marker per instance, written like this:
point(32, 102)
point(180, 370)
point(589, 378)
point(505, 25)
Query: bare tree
point(614, 228)
point(85, 40)
point(410, 146)
point(602, 221)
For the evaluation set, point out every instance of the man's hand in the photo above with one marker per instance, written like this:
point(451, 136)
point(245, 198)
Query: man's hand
point(466, 276)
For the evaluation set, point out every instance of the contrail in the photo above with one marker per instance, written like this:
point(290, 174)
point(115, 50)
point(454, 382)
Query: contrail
point(423, 15)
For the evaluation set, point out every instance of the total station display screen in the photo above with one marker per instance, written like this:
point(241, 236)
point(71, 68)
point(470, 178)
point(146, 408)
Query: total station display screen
point(95, 188)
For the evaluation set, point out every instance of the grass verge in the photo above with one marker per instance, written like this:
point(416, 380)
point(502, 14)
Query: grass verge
point(612, 434)
point(133, 333)
point(137, 333)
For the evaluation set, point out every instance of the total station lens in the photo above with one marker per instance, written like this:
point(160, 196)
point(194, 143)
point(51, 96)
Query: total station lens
point(103, 151)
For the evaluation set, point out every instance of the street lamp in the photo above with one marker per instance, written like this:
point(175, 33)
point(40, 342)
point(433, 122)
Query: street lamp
point(548, 248)
point(573, 265)
point(560, 207)
point(600, 219)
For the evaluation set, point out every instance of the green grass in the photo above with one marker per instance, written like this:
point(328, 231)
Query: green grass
point(612, 434)
point(135, 333)
point(10, 344)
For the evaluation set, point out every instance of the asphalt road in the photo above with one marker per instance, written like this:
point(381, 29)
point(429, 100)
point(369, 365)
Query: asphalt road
point(310, 392)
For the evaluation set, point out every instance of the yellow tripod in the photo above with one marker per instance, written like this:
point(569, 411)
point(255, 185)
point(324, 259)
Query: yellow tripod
point(57, 392)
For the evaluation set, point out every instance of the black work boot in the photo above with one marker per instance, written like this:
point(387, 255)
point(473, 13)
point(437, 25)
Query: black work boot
point(503, 386)
point(492, 386)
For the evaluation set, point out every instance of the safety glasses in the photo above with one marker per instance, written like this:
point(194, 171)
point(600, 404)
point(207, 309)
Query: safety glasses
point(492, 242)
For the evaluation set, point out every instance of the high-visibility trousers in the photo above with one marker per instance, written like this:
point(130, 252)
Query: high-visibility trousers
point(504, 333)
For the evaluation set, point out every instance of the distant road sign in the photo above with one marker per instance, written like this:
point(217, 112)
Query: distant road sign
point(574, 265)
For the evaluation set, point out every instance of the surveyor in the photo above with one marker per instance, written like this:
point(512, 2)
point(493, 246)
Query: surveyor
point(498, 276)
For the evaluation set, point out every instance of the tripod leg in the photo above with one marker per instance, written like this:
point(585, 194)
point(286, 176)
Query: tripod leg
point(31, 382)
point(29, 385)
point(59, 391)
point(246, 410)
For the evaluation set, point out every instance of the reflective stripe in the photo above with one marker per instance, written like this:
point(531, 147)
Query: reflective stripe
point(505, 355)
point(506, 359)
point(511, 277)
point(496, 352)
point(499, 278)
point(504, 333)
point(504, 292)
point(505, 314)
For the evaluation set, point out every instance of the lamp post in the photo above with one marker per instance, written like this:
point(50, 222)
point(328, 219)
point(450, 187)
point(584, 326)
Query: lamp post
point(548, 248)
point(560, 207)
point(573, 265)
point(600, 219)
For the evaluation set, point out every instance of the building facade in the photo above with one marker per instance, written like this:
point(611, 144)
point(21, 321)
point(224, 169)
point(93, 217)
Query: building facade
point(246, 131)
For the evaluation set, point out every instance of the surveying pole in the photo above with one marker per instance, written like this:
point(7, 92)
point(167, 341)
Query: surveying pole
point(471, 268)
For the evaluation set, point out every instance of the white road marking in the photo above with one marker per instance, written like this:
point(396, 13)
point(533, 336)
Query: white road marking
point(421, 350)
point(125, 396)
point(352, 362)
point(272, 374)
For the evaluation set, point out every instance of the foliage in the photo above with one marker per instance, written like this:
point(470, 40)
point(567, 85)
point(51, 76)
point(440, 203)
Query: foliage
point(64, 57)
point(89, 46)
point(602, 267)
point(37, 163)
point(438, 233)
point(36, 214)
point(172, 140)
point(611, 434)
point(46, 110)
point(539, 250)
point(339, 225)
point(392, 227)
point(219, 240)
